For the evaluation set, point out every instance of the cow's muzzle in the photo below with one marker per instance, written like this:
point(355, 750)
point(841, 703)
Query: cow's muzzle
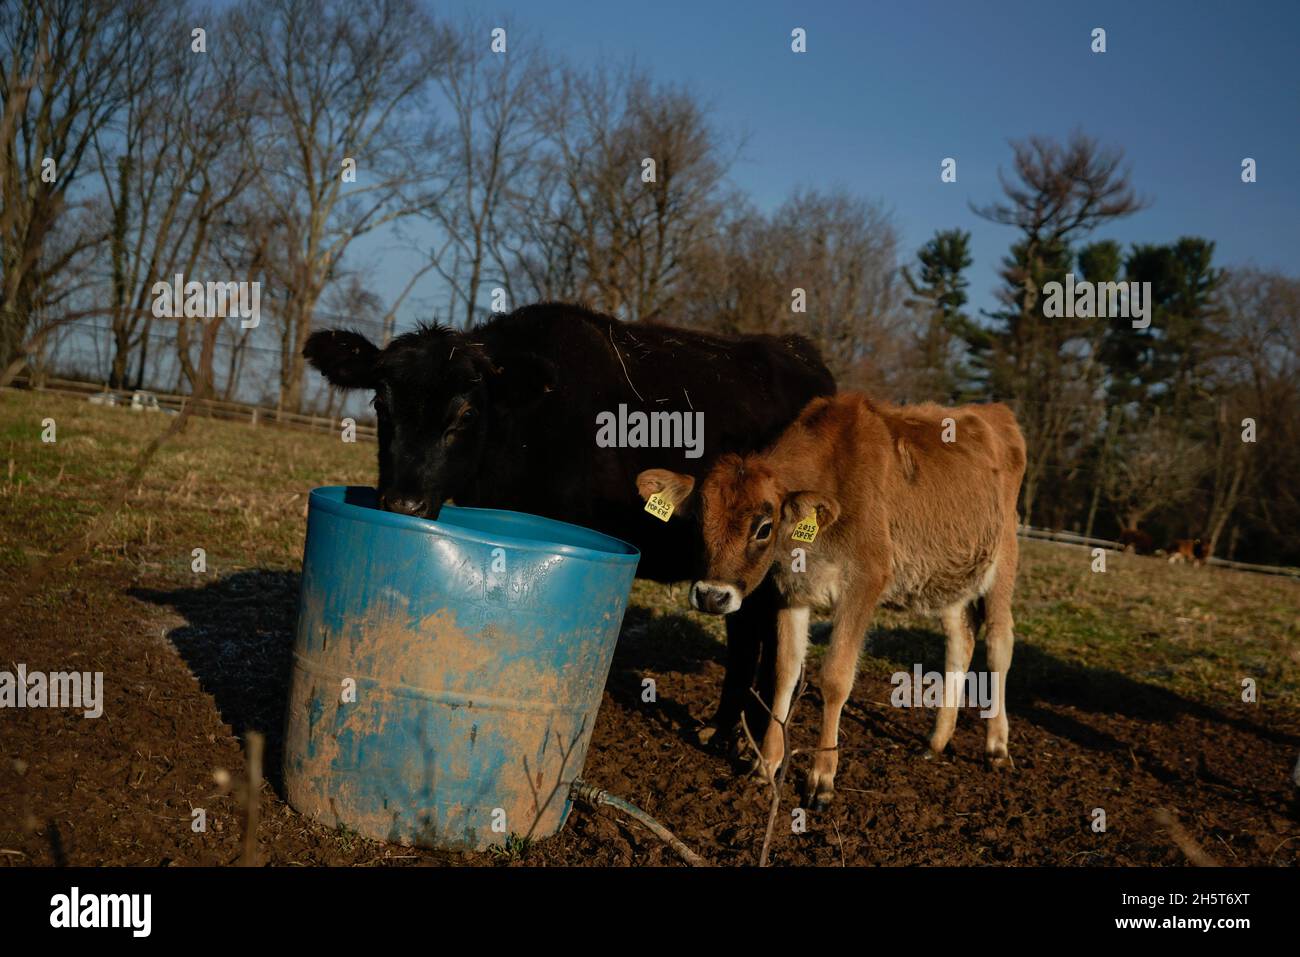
point(715, 598)
point(410, 505)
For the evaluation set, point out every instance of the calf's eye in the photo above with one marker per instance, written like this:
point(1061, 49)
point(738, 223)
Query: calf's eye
point(764, 532)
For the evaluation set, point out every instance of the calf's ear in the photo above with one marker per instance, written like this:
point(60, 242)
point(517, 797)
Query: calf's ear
point(799, 505)
point(346, 359)
point(674, 486)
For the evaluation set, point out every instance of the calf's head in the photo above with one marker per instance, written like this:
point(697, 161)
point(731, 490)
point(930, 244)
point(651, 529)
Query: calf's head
point(746, 517)
point(437, 398)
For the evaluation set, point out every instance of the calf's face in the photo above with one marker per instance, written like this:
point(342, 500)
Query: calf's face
point(436, 395)
point(745, 517)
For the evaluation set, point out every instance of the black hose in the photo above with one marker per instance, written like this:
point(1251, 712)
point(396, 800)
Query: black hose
point(593, 796)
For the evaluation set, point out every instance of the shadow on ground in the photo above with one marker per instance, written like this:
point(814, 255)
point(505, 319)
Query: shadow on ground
point(238, 642)
point(1041, 684)
point(238, 639)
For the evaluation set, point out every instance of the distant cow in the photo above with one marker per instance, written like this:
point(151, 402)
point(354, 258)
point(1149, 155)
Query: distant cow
point(896, 516)
point(505, 415)
point(1135, 540)
point(1190, 550)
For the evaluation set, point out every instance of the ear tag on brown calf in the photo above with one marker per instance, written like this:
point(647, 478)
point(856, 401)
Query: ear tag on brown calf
point(806, 530)
point(659, 507)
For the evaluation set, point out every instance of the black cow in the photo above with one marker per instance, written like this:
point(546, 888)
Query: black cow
point(504, 415)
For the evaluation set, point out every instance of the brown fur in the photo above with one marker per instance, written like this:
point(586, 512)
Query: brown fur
point(906, 519)
point(1190, 550)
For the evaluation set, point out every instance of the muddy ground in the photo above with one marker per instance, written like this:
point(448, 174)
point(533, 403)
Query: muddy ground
point(194, 667)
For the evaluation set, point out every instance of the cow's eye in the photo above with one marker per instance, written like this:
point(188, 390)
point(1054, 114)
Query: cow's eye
point(458, 425)
point(763, 532)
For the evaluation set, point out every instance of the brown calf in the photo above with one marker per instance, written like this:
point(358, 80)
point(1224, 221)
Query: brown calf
point(915, 508)
point(1190, 550)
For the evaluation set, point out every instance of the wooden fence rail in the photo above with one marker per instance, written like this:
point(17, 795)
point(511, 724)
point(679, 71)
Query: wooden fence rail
point(254, 415)
point(1073, 538)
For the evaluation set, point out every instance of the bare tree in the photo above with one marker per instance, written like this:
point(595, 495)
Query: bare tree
point(336, 81)
point(483, 157)
point(1254, 376)
point(823, 265)
point(1157, 465)
point(171, 173)
point(59, 84)
point(641, 168)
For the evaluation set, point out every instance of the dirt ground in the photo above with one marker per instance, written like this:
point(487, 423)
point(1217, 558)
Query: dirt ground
point(1124, 694)
point(194, 667)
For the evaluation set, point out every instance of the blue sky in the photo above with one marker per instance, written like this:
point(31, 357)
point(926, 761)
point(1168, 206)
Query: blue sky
point(887, 90)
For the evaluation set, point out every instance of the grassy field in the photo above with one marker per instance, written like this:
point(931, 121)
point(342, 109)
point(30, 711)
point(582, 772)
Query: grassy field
point(239, 492)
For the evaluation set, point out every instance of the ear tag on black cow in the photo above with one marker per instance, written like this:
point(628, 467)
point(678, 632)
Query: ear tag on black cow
point(806, 530)
point(659, 507)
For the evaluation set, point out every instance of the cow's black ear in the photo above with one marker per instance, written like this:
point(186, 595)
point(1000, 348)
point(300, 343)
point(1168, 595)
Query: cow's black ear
point(525, 377)
point(346, 359)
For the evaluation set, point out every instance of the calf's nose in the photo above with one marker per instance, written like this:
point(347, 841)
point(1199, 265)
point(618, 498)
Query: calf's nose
point(714, 599)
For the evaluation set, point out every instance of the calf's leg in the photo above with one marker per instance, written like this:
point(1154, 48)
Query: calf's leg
point(999, 642)
point(839, 668)
point(791, 647)
point(958, 625)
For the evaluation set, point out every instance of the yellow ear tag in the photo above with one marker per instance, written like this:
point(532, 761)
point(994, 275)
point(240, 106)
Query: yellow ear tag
point(659, 507)
point(806, 530)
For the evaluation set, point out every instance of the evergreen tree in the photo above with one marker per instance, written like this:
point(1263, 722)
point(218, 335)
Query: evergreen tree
point(941, 294)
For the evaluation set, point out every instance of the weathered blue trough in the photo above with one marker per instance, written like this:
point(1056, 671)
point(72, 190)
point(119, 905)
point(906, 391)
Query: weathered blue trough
point(446, 674)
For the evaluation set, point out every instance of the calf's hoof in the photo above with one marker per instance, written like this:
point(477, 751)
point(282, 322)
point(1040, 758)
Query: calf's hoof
point(1000, 761)
point(821, 800)
point(818, 791)
point(761, 770)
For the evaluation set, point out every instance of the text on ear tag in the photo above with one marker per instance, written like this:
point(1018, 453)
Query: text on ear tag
point(659, 507)
point(806, 530)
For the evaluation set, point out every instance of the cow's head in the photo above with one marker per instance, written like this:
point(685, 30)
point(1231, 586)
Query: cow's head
point(744, 515)
point(437, 396)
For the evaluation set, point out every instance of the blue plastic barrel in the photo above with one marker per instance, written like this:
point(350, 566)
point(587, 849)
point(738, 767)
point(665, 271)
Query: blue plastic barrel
point(446, 675)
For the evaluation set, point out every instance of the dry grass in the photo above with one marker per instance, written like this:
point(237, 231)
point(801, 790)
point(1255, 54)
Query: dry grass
point(236, 491)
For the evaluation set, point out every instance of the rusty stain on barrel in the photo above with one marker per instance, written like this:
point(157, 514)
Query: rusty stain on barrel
point(479, 646)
